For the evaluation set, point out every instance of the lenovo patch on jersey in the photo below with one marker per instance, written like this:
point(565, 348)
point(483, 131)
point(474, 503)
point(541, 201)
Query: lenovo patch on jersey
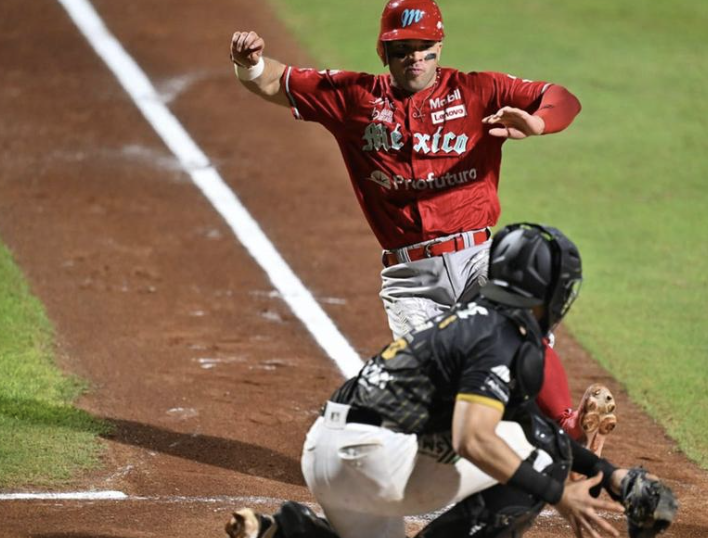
point(452, 113)
point(440, 102)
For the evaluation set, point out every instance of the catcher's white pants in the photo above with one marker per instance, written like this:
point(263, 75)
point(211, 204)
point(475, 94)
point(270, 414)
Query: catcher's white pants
point(367, 478)
point(413, 292)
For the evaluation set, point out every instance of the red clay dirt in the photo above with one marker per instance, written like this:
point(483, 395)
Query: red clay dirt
point(210, 380)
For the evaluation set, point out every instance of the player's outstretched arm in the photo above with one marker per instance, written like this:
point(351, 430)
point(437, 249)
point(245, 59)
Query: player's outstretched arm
point(556, 111)
point(260, 75)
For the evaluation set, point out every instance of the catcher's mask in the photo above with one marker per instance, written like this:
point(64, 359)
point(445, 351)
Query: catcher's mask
point(532, 265)
point(409, 19)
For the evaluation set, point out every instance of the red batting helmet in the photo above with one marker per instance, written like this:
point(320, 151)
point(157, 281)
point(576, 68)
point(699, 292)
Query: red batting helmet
point(409, 19)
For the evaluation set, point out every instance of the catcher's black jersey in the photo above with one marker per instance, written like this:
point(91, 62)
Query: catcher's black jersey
point(468, 353)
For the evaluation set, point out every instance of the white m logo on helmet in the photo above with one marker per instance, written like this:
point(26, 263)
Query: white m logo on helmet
point(410, 16)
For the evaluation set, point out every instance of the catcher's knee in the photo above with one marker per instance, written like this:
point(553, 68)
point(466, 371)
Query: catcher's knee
point(512, 512)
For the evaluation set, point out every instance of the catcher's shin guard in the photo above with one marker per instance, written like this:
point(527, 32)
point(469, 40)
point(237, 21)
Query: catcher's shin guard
point(499, 512)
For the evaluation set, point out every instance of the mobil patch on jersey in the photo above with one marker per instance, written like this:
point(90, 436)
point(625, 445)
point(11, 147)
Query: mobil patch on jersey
point(452, 113)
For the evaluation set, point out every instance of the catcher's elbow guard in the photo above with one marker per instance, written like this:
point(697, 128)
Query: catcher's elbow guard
point(650, 505)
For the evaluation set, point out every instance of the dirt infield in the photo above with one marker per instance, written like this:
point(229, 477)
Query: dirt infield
point(210, 380)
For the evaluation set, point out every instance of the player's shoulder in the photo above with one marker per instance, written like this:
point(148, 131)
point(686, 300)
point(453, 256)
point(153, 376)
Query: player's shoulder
point(480, 310)
point(473, 80)
point(486, 78)
point(492, 320)
point(522, 323)
point(471, 323)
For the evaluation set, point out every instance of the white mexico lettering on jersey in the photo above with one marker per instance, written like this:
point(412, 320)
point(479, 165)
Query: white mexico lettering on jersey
point(437, 142)
point(378, 137)
point(432, 182)
point(440, 102)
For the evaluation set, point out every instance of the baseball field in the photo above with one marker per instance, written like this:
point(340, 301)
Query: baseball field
point(156, 376)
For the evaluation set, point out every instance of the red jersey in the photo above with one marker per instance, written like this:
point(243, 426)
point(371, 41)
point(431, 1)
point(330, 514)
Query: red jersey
point(423, 165)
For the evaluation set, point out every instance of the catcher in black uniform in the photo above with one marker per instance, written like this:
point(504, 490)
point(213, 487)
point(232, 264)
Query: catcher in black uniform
point(446, 416)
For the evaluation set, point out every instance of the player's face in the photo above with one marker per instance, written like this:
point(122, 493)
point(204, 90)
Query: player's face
point(413, 63)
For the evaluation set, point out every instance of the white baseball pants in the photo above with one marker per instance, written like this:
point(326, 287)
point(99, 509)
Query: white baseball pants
point(367, 478)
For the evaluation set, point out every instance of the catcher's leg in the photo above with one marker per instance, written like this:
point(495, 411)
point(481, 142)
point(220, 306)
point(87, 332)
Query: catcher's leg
point(350, 524)
point(358, 473)
point(293, 520)
point(499, 512)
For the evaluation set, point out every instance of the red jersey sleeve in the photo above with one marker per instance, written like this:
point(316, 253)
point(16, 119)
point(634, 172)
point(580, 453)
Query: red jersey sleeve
point(556, 105)
point(319, 96)
point(499, 90)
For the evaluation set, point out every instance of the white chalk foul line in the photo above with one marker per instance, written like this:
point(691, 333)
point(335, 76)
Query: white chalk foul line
point(69, 496)
point(233, 501)
point(120, 496)
point(136, 83)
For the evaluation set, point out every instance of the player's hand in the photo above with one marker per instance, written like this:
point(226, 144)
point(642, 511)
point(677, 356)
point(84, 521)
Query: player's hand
point(514, 123)
point(246, 48)
point(580, 508)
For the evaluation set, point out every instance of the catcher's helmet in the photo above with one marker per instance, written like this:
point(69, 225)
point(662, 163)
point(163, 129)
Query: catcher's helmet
point(409, 19)
point(531, 265)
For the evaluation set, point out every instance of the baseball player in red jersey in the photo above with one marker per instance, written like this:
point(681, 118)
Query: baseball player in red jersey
point(422, 146)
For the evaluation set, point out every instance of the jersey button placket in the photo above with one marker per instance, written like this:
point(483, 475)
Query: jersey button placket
point(416, 120)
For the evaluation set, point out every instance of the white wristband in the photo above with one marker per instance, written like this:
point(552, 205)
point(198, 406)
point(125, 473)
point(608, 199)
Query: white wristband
point(250, 73)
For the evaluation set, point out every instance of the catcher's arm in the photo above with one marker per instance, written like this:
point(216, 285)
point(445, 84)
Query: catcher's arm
point(260, 75)
point(474, 437)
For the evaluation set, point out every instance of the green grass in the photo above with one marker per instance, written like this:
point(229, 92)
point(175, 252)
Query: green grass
point(43, 439)
point(627, 181)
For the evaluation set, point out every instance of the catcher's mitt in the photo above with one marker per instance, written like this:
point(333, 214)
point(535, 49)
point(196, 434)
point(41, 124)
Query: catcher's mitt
point(650, 506)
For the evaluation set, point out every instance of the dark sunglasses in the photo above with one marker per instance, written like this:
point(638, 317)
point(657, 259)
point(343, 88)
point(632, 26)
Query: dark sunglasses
point(401, 51)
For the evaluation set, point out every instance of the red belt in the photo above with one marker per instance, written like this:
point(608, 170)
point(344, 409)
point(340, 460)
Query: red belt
point(434, 248)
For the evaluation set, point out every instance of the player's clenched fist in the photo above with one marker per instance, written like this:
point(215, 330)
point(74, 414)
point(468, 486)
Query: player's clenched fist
point(246, 48)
